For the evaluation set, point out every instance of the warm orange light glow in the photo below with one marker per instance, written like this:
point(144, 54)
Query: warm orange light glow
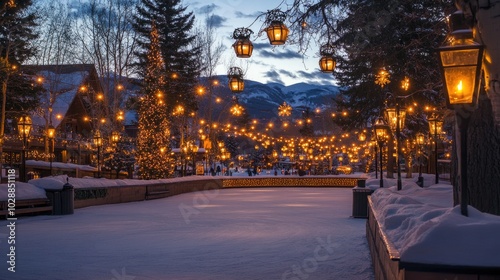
point(460, 87)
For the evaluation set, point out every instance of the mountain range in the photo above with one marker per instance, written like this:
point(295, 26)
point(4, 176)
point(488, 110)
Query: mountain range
point(262, 101)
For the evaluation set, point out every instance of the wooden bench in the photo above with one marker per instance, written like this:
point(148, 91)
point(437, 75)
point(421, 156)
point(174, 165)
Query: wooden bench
point(157, 191)
point(27, 206)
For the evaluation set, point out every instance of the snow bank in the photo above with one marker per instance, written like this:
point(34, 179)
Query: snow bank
point(61, 165)
point(23, 191)
point(424, 227)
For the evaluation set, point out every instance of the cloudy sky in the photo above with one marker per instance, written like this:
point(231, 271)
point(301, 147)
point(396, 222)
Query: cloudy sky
point(282, 64)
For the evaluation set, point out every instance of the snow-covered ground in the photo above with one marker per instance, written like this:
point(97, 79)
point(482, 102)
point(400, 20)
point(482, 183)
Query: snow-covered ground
point(257, 233)
point(268, 233)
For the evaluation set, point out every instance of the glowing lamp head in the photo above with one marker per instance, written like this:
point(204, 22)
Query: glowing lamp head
point(461, 61)
point(277, 32)
point(243, 47)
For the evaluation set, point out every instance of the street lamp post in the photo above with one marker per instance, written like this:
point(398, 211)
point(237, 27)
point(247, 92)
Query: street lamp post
point(420, 143)
point(461, 61)
point(24, 126)
point(98, 143)
point(435, 128)
point(374, 142)
point(382, 134)
point(396, 118)
point(51, 134)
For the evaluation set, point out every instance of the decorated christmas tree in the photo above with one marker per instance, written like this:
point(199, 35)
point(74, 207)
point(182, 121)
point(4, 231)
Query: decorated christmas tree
point(153, 147)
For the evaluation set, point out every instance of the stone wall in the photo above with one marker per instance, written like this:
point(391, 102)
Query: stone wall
point(119, 194)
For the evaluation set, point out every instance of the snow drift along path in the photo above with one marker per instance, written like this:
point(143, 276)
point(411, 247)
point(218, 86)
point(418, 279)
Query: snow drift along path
point(281, 233)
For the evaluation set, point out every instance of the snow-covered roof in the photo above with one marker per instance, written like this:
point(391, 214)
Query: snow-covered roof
point(64, 86)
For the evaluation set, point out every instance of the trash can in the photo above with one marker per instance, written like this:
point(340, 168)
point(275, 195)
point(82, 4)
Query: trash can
point(67, 199)
point(62, 200)
point(55, 200)
point(360, 202)
point(361, 183)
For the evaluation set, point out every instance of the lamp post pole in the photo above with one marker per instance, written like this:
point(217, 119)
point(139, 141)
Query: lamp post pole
point(463, 124)
point(398, 146)
point(381, 132)
point(435, 128)
point(380, 145)
point(24, 128)
point(51, 133)
point(98, 143)
point(98, 161)
point(51, 154)
point(420, 142)
point(23, 159)
point(462, 87)
point(375, 158)
point(436, 153)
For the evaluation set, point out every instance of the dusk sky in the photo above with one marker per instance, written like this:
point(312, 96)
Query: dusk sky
point(282, 64)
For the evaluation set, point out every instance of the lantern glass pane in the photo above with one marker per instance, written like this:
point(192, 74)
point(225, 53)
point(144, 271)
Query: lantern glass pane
point(236, 84)
point(277, 33)
point(435, 127)
point(327, 64)
point(459, 57)
point(243, 48)
point(420, 139)
point(402, 117)
point(460, 84)
point(391, 117)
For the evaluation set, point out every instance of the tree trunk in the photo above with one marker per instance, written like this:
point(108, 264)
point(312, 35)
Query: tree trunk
point(483, 159)
point(390, 158)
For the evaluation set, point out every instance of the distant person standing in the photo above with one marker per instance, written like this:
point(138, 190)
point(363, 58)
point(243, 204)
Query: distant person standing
point(218, 170)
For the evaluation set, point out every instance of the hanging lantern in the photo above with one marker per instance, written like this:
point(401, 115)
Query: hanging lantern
point(327, 62)
point(51, 132)
point(461, 59)
point(243, 47)
point(97, 139)
point(24, 126)
point(235, 76)
point(435, 125)
point(392, 117)
point(277, 32)
point(382, 130)
point(115, 137)
point(420, 138)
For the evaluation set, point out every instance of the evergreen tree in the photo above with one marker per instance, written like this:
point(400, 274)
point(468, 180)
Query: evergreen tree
point(400, 37)
point(307, 129)
point(120, 156)
point(177, 47)
point(17, 23)
point(153, 136)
